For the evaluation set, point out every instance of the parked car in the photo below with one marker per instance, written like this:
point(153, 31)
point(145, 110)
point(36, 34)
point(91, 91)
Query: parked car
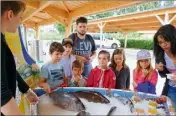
point(107, 41)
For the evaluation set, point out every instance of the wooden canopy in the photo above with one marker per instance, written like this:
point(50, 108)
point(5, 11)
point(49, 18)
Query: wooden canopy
point(143, 21)
point(47, 12)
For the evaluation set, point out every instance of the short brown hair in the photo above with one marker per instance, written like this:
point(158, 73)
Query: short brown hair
point(15, 6)
point(77, 64)
point(105, 52)
point(81, 20)
point(56, 46)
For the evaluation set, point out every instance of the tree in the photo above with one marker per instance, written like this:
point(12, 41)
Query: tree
point(59, 27)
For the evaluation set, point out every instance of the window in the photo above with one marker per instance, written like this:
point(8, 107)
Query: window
point(96, 36)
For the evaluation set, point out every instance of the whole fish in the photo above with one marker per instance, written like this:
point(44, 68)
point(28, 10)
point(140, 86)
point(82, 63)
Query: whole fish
point(92, 96)
point(123, 100)
point(67, 101)
point(126, 101)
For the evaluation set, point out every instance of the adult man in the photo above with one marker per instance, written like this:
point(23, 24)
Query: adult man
point(11, 14)
point(84, 45)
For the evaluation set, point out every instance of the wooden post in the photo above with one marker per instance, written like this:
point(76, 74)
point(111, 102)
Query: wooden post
point(37, 45)
point(101, 26)
point(166, 19)
point(68, 27)
point(25, 37)
point(126, 37)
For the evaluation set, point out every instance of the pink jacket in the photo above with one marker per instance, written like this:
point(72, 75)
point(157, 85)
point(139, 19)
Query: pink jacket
point(140, 78)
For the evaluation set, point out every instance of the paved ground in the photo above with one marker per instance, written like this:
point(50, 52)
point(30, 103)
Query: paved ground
point(131, 62)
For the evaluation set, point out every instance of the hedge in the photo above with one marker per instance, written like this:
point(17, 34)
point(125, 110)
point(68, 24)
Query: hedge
point(138, 43)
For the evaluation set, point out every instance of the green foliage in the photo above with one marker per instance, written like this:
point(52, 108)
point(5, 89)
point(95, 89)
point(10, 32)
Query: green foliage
point(59, 27)
point(138, 44)
point(131, 35)
point(51, 36)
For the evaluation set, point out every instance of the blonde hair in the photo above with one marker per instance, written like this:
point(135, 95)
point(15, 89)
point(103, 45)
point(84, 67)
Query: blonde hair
point(149, 68)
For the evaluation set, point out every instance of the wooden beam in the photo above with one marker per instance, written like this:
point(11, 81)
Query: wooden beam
point(68, 27)
point(30, 24)
point(39, 17)
point(135, 25)
point(129, 22)
point(47, 22)
point(137, 15)
point(65, 6)
point(32, 4)
point(57, 12)
point(173, 18)
point(139, 24)
point(142, 29)
point(116, 29)
point(43, 4)
point(100, 6)
point(59, 19)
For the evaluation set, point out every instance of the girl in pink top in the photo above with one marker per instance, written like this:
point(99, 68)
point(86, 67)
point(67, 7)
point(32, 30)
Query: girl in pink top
point(144, 71)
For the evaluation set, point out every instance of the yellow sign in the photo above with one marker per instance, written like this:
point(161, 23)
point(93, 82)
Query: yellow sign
point(24, 69)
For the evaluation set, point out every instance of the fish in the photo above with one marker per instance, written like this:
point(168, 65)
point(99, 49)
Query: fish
point(123, 100)
point(83, 113)
point(111, 110)
point(92, 96)
point(131, 105)
point(67, 101)
point(126, 101)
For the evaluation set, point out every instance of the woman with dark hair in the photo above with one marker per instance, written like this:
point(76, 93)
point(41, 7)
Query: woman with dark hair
point(120, 69)
point(11, 15)
point(165, 57)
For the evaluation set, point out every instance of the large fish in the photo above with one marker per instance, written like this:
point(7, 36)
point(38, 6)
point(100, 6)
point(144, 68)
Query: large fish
point(126, 101)
point(67, 101)
point(92, 96)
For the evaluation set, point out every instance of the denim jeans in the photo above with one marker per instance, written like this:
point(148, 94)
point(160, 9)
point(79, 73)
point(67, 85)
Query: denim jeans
point(87, 69)
point(172, 95)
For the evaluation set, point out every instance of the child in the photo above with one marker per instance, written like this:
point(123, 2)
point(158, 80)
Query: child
point(102, 76)
point(120, 69)
point(77, 80)
point(52, 73)
point(144, 76)
point(67, 59)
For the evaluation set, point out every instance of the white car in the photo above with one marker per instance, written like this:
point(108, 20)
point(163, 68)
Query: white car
point(107, 41)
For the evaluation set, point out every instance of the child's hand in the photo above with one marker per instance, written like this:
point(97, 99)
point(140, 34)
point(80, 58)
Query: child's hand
point(83, 59)
point(35, 67)
point(46, 87)
point(77, 78)
point(174, 77)
point(159, 67)
point(145, 72)
point(134, 84)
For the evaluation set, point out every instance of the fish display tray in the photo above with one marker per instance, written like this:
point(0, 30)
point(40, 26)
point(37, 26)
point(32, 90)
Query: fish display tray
point(103, 91)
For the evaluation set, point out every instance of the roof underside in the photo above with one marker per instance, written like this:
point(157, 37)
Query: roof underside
point(47, 12)
point(144, 21)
